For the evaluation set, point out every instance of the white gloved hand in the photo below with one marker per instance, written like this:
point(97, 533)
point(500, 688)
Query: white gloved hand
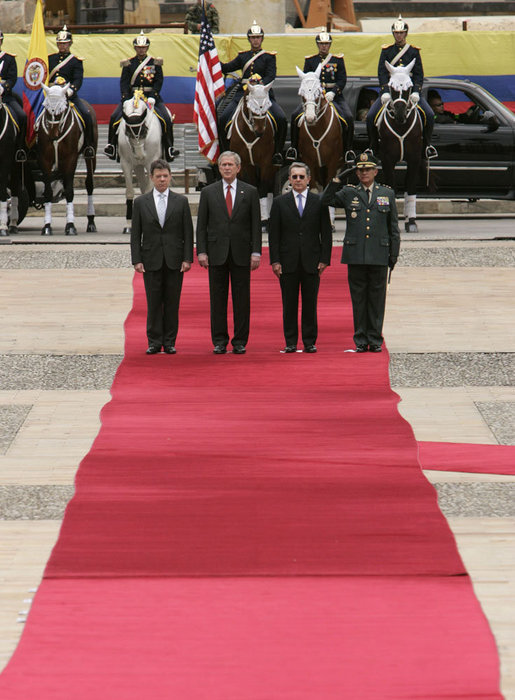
point(329, 96)
point(385, 97)
point(151, 102)
point(415, 98)
point(69, 92)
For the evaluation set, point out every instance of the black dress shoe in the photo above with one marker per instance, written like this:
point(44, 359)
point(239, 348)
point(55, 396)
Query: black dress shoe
point(170, 349)
point(153, 349)
point(310, 348)
point(361, 348)
point(239, 350)
point(290, 348)
point(219, 350)
point(375, 348)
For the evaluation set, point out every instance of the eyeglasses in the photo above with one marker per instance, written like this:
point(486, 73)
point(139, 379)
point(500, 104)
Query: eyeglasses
point(298, 177)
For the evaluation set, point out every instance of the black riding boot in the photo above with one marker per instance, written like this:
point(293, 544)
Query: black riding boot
point(429, 150)
point(292, 152)
point(373, 140)
point(348, 142)
point(89, 148)
point(112, 141)
point(167, 143)
point(280, 138)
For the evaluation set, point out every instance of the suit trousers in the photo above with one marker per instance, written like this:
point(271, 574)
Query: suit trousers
point(308, 283)
point(163, 290)
point(219, 276)
point(367, 285)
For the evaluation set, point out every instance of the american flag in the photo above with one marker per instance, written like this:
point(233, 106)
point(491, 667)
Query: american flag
point(209, 86)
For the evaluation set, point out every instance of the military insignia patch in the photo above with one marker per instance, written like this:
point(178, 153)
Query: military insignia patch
point(382, 201)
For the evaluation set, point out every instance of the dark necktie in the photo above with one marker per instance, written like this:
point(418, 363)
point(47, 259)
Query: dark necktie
point(300, 206)
point(228, 200)
point(369, 194)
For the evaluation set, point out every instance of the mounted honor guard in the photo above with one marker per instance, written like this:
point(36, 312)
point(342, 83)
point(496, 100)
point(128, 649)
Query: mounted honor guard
point(333, 78)
point(256, 65)
point(145, 73)
point(401, 53)
point(64, 67)
point(8, 78)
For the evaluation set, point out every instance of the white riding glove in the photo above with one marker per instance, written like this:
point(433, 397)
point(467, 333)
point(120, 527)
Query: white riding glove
point(329, 96)
point(385, 97)
point(414, 98)
point(70, 92)
point(151, 102)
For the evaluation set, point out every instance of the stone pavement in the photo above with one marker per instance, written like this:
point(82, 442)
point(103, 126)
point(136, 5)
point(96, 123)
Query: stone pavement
point(449, 329)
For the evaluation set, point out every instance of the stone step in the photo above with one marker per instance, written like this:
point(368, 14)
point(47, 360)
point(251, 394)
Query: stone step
point(110, 201)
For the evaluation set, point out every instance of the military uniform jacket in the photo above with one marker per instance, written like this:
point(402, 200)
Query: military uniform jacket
point(264, 65)
point(194, 17)
point(333, 75)
point(72, 71)
point(149, 79)
point(388, 54)
point(8, 71)
point(372, 235)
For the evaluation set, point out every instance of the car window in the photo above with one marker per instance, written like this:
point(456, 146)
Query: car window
point(455, 106)
point(366, 98)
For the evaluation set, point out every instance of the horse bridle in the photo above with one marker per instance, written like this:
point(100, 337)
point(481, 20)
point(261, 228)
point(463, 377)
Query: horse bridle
point(250, 124)
point(410, 110)
point(317, 141)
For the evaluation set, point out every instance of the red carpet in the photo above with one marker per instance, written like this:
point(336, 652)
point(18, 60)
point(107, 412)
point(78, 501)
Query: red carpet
point(289, 488)
point(465, 457)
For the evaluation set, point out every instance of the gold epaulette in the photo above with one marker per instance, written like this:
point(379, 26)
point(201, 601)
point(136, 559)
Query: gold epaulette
point(338, 55)
point(386, 46)
point(415, 47)
point(272, 53)
point(158, 61)
point(78, 58)
point(312, 55)
point(10, 54)
point(126, 62)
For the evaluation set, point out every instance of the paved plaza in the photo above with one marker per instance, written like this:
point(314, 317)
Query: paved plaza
point(449, 329)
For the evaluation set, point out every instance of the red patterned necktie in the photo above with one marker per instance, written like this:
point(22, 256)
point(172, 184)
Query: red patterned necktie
point(228, 200)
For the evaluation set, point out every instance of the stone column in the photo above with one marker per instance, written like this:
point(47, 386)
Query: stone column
point(237, 17)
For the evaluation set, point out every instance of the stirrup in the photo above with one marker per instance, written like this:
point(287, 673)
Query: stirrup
point(431, 152)
point(20, 156)
point(110, 151)
point(89, 152)
point(170, 154)
point(350, 156)
point(277, 159)
point(291, 153)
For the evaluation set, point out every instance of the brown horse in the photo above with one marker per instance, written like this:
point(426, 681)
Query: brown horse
point(401, 133)
point(252, 136)
point(320, 131)
point(9, 170)
point(60, 140)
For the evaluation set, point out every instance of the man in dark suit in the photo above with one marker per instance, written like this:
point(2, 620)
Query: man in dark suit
point(300, 243)
point(162, 249)
point(229, 246)
point(370, 247)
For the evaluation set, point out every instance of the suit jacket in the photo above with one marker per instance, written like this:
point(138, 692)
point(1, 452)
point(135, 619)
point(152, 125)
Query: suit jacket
point(217, 233)
point(153, 245)
point(372, 236)
point(292, 237)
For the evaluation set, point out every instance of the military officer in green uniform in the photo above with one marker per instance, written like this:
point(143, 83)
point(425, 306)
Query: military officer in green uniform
point(257, 64)
point(194, 17)
point(370, 248)
point(65, 67)
point(145, 73)
point(333, 78)
point(8, 78)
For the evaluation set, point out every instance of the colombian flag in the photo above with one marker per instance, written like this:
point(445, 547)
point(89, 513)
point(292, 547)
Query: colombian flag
point(35, 73)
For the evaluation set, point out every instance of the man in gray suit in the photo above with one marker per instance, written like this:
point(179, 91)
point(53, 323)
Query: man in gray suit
point(162, 250)
point(229, 247)
point(371, 246)
point(300, 249)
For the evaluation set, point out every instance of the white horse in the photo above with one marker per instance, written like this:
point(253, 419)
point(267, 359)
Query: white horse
point(139, 143)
